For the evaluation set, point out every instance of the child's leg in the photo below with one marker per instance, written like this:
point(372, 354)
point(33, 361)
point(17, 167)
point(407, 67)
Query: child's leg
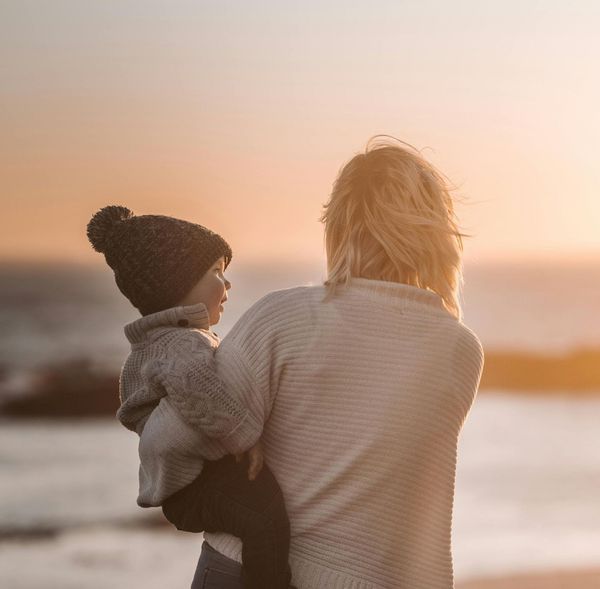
point(254, 511)
point(184, 508)
point(222, 499)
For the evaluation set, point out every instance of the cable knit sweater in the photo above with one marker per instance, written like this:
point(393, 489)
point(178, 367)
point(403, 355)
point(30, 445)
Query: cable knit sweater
point(170, 391)
point(362, 399)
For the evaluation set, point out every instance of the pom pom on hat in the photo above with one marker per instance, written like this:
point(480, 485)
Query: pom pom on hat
point(103, 222)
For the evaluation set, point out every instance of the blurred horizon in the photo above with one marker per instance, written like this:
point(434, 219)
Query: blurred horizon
point(524, 308)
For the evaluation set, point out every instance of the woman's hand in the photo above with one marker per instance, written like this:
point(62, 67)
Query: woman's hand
point(255, 458)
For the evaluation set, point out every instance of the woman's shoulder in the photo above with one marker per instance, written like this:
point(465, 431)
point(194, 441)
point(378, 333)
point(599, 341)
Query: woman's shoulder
point(287, 299)
point(469, 337)
point(277, 311)
point(293, 293)
point(468, 347)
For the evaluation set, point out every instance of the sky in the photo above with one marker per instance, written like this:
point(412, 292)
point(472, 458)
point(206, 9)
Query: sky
point(238, 116)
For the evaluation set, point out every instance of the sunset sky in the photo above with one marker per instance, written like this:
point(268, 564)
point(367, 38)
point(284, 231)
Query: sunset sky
point(238, 115)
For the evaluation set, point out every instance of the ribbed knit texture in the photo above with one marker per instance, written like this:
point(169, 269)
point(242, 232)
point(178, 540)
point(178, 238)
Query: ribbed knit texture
point(363, 399)
point(171, 394)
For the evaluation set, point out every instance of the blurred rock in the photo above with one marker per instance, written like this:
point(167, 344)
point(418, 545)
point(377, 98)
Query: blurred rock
point(70, 389)
point(577, 371)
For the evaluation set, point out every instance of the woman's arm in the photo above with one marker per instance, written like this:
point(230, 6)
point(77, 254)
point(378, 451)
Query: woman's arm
point(252, 357)
point(241, 379)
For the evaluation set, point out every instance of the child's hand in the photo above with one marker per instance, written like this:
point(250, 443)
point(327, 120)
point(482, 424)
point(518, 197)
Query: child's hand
point(255, 458)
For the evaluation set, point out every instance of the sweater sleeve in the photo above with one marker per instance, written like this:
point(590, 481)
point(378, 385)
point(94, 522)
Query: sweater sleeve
point(246, 371)
point(171, 454)
point(251, 358)
point(195, 390)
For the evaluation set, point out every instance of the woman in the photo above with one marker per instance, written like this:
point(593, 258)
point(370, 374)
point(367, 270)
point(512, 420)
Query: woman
point(363, 385)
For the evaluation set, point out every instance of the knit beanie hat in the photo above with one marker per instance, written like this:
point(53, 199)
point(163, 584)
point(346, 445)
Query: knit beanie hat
point(156, 259)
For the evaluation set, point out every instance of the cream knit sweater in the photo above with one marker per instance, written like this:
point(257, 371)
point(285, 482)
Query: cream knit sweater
point(169, 392)
point(362, 399)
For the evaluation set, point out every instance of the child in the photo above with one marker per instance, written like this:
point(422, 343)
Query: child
point(172, 272)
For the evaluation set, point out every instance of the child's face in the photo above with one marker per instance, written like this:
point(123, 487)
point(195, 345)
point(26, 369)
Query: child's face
point(211, 290)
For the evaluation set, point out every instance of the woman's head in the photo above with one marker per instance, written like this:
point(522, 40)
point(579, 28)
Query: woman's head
point(391, 217)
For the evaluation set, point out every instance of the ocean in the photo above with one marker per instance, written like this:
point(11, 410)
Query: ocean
point(49, 313)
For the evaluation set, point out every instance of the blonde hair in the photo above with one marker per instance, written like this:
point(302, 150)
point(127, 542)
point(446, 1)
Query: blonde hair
point(391, 217)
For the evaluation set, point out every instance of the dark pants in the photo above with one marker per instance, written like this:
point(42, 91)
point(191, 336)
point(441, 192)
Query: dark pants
point(222, 499)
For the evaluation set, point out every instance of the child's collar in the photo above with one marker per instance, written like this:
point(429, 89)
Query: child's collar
point(195, 316)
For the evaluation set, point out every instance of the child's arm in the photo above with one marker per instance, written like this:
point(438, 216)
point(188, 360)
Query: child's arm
point(239, 379)
point(247, 367)
point(167, 438)
point(193, 387)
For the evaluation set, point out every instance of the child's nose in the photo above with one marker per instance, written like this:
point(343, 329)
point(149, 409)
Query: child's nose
point(227, 284)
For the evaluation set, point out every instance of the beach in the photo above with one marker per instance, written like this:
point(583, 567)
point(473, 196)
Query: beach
point(100, 557)
point(525, 502)
point(558, 579)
